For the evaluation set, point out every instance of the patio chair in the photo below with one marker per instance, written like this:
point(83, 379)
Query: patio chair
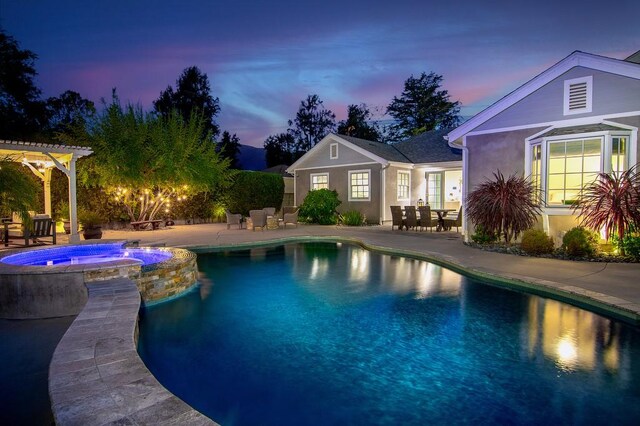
point(426, 220)
point(270, 211)
point(411, 219)
point(258, 219)
point(396, 217)
point(34, 233)
point(452, 221)
point(233, 219)
point(291, 218)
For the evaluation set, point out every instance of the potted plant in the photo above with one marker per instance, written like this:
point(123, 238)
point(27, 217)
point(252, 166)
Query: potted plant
point(63, 214)
point(91, 225)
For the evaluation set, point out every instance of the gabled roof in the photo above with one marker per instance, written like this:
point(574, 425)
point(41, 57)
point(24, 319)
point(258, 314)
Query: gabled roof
point(382, 150)
point(429, 147)
point(280, 169)
point(625, 68)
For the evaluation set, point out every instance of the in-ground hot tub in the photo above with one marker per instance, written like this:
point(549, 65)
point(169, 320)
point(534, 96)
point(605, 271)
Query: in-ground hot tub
point(50, 282)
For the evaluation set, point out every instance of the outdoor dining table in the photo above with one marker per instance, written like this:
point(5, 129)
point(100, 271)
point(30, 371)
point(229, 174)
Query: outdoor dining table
point(442, 213)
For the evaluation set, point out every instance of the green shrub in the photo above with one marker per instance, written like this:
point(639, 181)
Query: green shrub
point(481, 236)
point(352, 218)
point(631, 245)
point(254, 191)
point(579, 241)
point(536, 241)
point(319, 206)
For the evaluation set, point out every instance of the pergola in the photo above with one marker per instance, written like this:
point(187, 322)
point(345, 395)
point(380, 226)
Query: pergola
point(41, 158)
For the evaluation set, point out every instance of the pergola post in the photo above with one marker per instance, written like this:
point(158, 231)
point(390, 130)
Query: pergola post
point(73, 204)
point(47, 192)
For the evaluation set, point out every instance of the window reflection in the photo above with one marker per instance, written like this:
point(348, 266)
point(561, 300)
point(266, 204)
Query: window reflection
point(573, 338)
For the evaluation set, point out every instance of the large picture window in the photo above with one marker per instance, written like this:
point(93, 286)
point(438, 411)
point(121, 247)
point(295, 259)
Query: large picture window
point(619, 154)
point(572, 165)
point(536, 167)
point(359, 185)
point(404, 183)
point(319, 181)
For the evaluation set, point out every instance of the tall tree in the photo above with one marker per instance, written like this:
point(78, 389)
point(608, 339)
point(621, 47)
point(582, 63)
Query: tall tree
point(280, 149)
point(312, 123)
point(192, 92)
point(422, 107)
point(69, 109)
point(229, 147)
point(359, 124)
point(22, 113)
point(147, 162)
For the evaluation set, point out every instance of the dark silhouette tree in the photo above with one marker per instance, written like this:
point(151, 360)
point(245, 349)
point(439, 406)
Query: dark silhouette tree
point(280, 149)
point(359, 124)
point(192, 92)
point(229, 147)
point(422, 107)
point(22, 113)
point(312, 123)
point(67, 110)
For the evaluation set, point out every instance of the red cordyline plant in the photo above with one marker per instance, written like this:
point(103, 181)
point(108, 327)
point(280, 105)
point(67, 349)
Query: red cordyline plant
point(611, 202)
point(505, 207)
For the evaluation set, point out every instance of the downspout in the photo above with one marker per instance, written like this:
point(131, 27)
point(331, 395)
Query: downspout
point(383, 191)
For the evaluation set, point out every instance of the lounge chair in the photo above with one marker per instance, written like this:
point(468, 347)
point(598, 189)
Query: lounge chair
point(426, 220)
point(233, 219)
point(396, 217)
point(449, 222)
point(258, 219)
point(411, 219)
point(291, 218)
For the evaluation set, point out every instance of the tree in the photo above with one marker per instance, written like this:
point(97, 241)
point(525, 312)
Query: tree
point(229, 147)
point(280, 149)
point(357, 124)
point(22, 113)
point(192, 93)
point(69, 109)
point(312, 123)
point(423, 107)
point(147, 162)
point(18, 191)
point(612, 203)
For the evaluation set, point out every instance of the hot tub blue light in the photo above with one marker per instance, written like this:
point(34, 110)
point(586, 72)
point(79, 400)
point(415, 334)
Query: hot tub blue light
point(86, 254)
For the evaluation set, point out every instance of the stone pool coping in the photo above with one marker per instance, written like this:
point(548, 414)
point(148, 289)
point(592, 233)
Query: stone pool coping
point(96, 375)
point(615, 307)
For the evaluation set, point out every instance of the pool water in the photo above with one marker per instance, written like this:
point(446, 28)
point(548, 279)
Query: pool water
point(334, 334)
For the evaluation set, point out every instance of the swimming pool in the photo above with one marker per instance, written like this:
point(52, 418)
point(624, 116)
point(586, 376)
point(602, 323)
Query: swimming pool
point(335, 334)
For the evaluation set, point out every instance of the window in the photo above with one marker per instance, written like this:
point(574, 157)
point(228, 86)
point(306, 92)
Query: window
point(319, 181)
point(434, 190)
point(404, 183)
point(359, 185)
point(619, 154)
point(536, 164)
point(333, 151)
point(578, 94)
point(572, 165)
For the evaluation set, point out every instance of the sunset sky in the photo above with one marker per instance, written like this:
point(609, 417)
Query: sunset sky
point(264, 57)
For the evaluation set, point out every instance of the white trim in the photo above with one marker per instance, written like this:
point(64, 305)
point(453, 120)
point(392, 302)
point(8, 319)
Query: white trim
point(588, 80)
point(331, 137)
point(408, 173)
point(443, 165)
point(400, 164)
point(311, 175)
point(576, 59)
point(594, 119)
point(331, 156)
point(337, 165)
point(368, 171)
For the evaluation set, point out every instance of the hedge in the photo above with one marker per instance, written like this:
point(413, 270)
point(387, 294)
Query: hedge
point(255, 190)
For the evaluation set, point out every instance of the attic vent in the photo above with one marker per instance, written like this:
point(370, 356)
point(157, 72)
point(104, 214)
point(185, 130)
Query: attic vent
point(578, 95)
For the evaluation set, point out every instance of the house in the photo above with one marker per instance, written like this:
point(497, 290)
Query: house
point(574, 120)
point(371, 176)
